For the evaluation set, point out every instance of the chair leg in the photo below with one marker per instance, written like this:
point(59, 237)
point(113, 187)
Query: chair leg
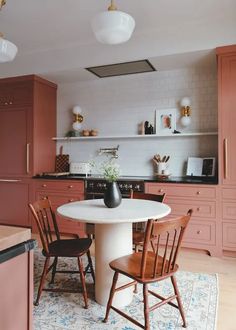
point(146, 307)
point(136, 285)
point(54, 269)
point(91, 266)
point(181, 310)
point(82, 278)
point(112, 292)
point(42, 280)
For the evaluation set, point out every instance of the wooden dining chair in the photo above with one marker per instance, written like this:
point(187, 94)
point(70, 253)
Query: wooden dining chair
point(55, 247)
point(139, 227)
point(147, 267)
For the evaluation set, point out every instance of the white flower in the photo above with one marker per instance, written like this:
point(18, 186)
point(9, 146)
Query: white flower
point(109, 169)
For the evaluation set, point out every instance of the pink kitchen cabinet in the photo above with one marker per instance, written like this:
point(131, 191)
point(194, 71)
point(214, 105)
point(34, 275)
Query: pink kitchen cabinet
point(226, 57)
point(27, 125)
point(61, 192)
point(204, 229)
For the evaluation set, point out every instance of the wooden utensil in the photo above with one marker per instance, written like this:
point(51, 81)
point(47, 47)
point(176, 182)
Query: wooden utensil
point(158, 158)
point(167, 158)
point(163, 159)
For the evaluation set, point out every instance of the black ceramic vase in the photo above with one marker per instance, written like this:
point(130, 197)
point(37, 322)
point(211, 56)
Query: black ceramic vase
point(112, 195)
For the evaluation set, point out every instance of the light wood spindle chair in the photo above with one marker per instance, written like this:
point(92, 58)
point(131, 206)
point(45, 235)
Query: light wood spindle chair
point(148, 267)
point(139, 227)
point(54, 248)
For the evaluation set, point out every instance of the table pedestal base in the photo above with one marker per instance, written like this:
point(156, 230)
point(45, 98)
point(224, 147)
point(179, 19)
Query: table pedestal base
point(111, 241)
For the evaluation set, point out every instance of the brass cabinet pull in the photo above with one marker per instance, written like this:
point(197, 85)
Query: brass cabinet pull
point(27, 158)
point(10, 180)
point(225, 158)
point(44, 185)
point(70, 186)
point(198, 192)
point(160, 190)
point(199, 232)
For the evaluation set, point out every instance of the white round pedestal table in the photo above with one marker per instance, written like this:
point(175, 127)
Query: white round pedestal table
point(113, 237)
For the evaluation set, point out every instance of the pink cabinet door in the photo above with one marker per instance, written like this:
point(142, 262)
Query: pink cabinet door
point(227, 116)
point(14, 198)
point(14, 142)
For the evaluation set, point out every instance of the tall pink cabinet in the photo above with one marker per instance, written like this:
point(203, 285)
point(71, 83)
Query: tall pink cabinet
point(227, 143)
point(27, 125)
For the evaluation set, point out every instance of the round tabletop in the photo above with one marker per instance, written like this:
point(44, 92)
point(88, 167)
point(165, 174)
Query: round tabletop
point(130, 210)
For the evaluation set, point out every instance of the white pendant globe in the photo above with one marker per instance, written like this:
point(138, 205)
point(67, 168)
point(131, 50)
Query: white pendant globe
point(7, 51)
point(113, 27)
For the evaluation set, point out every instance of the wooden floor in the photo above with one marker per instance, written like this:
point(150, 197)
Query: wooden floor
point(197, 261)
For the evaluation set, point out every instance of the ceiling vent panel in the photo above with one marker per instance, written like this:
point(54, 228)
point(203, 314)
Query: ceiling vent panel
point(120, 69)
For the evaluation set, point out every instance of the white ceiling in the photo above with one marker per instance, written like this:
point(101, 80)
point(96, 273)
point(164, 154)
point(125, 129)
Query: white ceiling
point(55, 40)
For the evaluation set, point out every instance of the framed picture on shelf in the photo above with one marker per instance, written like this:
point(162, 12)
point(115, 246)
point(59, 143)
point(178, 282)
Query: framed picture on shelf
point(165, 121)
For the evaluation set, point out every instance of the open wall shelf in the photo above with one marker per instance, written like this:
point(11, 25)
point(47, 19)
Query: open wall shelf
point(120, 137)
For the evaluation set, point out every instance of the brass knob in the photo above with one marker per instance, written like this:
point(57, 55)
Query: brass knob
point(70, 186)
point(198, 192)
point(71, 200)
point(199, 232)
point(160, 190)
point(44, 198)
point(44, 185)
point(10, 102)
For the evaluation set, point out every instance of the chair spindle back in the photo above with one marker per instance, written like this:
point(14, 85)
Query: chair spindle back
point(168, 235)
point(46, 221)
point(140, 226)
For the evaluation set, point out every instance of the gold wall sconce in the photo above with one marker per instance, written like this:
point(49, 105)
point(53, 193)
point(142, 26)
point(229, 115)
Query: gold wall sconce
point(78, 118)
point(185, 103)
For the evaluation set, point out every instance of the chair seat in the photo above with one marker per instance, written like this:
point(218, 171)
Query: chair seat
point(130, 266)
point(68, 247)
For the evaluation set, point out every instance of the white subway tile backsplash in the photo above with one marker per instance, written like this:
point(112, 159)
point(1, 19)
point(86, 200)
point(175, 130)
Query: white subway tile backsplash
point(115, 106)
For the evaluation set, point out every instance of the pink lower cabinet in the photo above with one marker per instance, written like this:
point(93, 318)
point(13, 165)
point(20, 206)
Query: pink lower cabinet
point(61, 192)
point(204, 230)
point(229, 219)
point(16, 278)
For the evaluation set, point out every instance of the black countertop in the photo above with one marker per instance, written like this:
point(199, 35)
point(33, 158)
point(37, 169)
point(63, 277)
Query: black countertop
point(171, 179)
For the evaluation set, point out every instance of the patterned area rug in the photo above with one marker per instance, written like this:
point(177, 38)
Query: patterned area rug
point(64, 311)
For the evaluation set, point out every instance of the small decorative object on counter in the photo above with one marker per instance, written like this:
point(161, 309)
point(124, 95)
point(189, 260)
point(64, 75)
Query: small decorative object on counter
point(161, 166)
point(85, 132)
point(62, 162)
point(141, 128)
point(148, 129)
point(93, 132)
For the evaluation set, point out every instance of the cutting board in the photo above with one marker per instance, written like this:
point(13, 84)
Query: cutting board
point(62, 162)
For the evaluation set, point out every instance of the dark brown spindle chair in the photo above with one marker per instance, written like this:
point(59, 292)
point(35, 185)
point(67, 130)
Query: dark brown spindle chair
point(139, 227)
point(54, 248)
point(148, 267)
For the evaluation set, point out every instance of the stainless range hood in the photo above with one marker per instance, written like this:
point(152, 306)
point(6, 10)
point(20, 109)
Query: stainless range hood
point(119, 69)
